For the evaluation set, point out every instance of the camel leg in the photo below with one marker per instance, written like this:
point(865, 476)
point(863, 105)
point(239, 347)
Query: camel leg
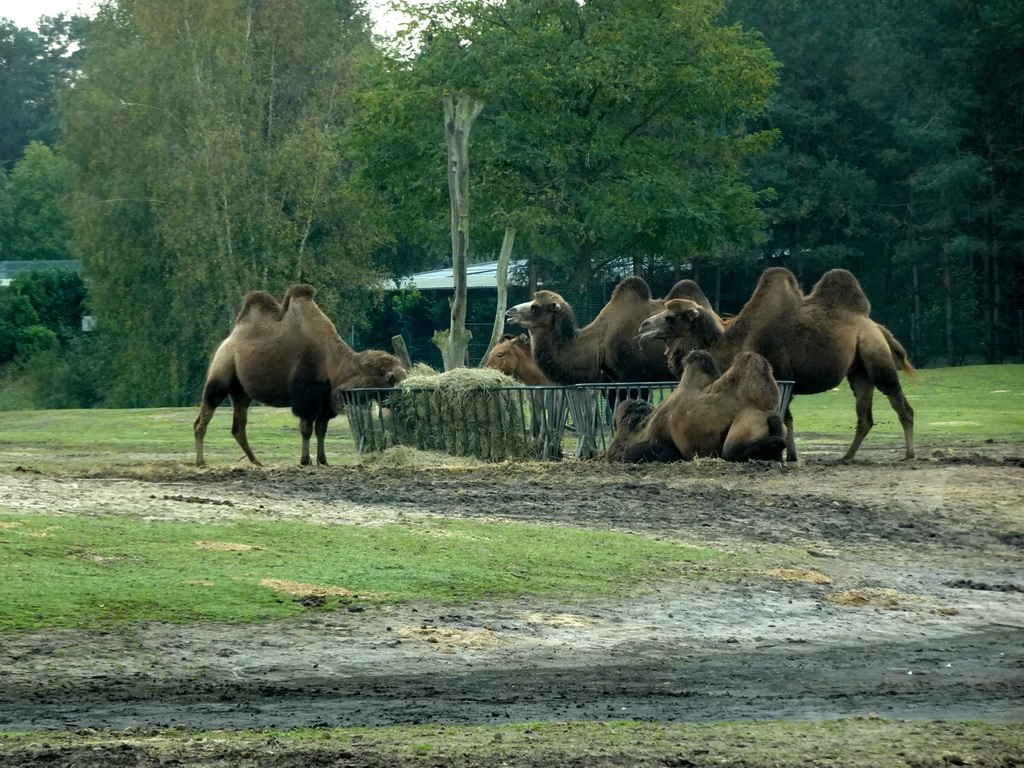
point(905, 412)
point(320, 428)
point(863, 391)
point(790, 440)
point(306, 430)
point(240, 403)
point(753, 437)
point(213, 395)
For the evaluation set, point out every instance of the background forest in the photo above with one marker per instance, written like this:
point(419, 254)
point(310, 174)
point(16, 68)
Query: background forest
point(188, 151)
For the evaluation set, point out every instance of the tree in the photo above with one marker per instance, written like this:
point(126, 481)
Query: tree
point(611, 128)
point(33, 225)
point(205, 134)
point(35, 65)
point(459, 115)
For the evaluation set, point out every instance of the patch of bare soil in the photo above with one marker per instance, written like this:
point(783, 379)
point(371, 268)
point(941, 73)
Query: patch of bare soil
point(914, 608)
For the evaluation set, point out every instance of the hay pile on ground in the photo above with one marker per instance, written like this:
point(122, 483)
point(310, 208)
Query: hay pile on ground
point(477, 412)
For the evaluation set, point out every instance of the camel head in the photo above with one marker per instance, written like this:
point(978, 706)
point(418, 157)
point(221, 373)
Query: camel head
point(673, 322)
point(373, 369)
point(507, 353)
point(543, 312)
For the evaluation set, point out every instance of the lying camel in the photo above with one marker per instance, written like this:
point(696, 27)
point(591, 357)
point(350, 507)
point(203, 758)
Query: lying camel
point(732, 416)
point(287, 355)
point(606, 350)
point(513, 356)
point(814, 340)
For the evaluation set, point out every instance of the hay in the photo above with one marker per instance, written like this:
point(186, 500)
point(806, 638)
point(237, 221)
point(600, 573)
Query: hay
point(406, 456)
point(477, 412)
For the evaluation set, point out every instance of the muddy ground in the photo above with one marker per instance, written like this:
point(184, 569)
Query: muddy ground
point(920, 614)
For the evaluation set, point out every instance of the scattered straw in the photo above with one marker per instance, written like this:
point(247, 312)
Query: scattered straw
point(225, 546)
point(890, 599)
point(448, 640)
point(406, 456)
point(569, 620)
point(794, 574)
point(297, 589)
point(43, 533)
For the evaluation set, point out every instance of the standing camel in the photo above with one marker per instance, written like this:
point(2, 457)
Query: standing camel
point(814, 340)
point(287, 355)
point(608, 349)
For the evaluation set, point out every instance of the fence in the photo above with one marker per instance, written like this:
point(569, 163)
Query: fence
point(499, 423)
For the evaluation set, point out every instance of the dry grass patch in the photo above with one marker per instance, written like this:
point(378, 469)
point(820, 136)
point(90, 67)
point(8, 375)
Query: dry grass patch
point(297, 589)
point(875, 597)
point(796, 574)
point(226, 546)
point(569, 620)
point(447, 639)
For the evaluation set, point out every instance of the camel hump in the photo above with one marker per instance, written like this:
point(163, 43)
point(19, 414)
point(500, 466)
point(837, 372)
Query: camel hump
point(634, 287)
point(751, 380)
point(259, 301)
point(299, 292)
point(688, 289)
point(838, 288)
point(699, 369)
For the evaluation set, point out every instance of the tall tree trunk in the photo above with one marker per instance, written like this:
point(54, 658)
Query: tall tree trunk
point(915, 314)
point(502, 279)
point(947, 284)
point(458, 119)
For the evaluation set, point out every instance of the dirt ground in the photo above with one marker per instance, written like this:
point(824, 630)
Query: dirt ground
point(914, 608)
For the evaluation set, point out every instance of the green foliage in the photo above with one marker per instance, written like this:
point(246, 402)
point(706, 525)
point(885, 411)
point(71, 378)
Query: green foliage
point(40, 311)
point(609, 128)
point(32, 222)
point(900, 125)
point(100, 572)
point(204, 134)
point(35, 66)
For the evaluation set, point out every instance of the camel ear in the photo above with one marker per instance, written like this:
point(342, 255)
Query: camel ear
point(523, 339)
point(391, 377)
point(693, 313)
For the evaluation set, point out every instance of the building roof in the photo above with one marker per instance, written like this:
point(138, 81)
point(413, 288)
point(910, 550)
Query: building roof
point(477, 276)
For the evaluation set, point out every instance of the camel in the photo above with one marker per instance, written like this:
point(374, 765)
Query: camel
point(287, 355)
point(606, 350)
point(732, 416)
point(814, 340)
point(513, 356)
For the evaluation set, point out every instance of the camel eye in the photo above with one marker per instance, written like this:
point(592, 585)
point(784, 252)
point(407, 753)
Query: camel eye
point(501, 356)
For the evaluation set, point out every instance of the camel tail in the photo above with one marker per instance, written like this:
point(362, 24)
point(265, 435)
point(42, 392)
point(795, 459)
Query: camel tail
point(899, 353)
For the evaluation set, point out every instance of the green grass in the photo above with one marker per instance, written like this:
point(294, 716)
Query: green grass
point(954, 406)
point(84, 439)
point(959, 405)
point(99, 572)
point(856, 742)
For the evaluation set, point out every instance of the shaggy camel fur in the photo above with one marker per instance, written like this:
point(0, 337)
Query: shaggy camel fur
point(606, 350)
point(814, 340)
point(732, 416)
point(287, 355)
point(513, 356)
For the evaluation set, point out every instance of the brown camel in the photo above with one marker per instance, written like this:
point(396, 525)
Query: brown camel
point(606, 350)
point(513, 356)
point(287, 355)
point(732, 416)
point(814, 340)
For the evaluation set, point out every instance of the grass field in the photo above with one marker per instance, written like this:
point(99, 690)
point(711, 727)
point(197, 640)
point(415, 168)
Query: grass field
point(953, 406)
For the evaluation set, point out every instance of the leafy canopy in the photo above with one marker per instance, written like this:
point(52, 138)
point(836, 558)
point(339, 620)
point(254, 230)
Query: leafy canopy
point(610, 127)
